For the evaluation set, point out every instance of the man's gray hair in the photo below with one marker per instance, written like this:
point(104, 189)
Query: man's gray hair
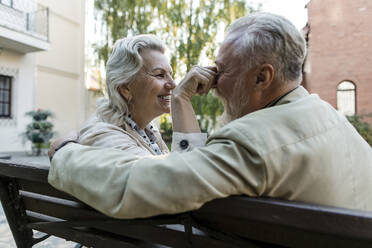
point(122, 67)
point(269, 38)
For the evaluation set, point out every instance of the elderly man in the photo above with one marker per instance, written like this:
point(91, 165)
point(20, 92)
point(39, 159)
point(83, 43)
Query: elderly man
point(280, 140)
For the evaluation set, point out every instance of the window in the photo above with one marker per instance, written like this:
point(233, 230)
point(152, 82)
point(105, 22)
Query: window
point(7, 3)
point(5, 96)
point(346, 98)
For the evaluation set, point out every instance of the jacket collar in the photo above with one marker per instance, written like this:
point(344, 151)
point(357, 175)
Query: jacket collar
point(291, 96)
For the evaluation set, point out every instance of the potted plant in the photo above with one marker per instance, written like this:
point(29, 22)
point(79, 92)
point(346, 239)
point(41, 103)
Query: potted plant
point(39, 131)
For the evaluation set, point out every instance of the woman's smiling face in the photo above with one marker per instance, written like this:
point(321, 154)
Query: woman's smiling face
point(152, 87)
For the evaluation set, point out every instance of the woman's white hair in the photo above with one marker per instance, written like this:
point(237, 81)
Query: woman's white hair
point(122, 67)
point(269, 38)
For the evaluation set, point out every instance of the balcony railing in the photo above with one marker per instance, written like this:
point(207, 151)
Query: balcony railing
point(37, 22)
point(34, 23)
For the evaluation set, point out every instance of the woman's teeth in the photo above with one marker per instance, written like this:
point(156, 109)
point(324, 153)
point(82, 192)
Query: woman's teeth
point(165, 97)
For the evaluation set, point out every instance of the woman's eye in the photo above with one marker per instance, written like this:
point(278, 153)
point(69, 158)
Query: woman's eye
point(160, 75)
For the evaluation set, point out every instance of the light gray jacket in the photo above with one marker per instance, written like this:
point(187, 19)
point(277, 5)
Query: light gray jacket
point(300, 149)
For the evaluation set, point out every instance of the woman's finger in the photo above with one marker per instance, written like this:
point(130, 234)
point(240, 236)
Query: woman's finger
point(211, 75)
point(203, 84)
point(210, 69)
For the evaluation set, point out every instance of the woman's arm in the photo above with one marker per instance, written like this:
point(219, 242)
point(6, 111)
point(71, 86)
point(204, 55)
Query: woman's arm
point(186, 130)
point(183, 116)
point(197, 80)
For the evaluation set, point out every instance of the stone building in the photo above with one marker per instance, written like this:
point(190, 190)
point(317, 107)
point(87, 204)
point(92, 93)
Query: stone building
point(41, 65)
point(338, 66)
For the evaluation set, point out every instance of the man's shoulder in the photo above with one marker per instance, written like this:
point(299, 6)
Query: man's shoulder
point(269, 118)
point(279, 125)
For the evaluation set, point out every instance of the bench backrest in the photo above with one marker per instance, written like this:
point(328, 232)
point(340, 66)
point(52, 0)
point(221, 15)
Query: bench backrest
point(31, 203)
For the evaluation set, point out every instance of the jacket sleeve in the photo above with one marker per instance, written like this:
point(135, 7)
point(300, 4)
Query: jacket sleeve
point(123, 185)
point(185, 142)
point(107, 135)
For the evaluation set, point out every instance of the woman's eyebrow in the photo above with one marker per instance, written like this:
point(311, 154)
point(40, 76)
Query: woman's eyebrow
point(162, 69)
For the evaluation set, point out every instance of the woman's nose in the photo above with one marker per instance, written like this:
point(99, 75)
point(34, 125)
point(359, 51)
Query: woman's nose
point(170, 84)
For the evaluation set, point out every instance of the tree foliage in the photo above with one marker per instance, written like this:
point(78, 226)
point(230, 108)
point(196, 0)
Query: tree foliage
point(363, 128)
point(122, 18)
point(188, 27)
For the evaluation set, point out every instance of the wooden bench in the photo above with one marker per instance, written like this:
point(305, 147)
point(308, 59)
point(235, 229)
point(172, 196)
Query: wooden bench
point(30, 203)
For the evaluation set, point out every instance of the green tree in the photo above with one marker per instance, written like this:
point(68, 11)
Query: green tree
point(188, 27)
point(122, 18)
point(363, 128)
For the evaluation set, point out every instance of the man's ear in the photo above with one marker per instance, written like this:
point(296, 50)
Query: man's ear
point(125, 93)
point(265, 76)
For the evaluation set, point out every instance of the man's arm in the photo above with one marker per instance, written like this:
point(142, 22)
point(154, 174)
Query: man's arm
point(122, 185)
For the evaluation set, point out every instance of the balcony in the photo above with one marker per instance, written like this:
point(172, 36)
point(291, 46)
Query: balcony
point(23, 32)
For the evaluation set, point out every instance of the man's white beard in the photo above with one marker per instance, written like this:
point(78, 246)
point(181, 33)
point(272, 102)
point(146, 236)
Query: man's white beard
point(224, 119)
point(234, 107)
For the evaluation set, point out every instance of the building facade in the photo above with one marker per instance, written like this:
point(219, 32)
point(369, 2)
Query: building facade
point(41, 65)
point(338, 65)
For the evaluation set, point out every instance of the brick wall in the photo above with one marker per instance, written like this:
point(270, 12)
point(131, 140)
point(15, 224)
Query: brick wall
point(340, 48)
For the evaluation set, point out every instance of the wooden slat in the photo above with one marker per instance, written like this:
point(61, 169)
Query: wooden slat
point(163, 235)
point(323, 219)
point(43, 222)
point(92, 238)
point(282, 235)
point(74, 234)
point(37, 217)
point(43, 189)
point(33, 172)
point(80, 213)
point(243, 216)
point(59, 208)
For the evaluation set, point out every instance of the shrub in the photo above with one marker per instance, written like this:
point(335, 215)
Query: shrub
point(39, 131)
point(362, 127)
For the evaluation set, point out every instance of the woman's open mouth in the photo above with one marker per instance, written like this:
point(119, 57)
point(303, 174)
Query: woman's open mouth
point(165, 97)
point(164, 100)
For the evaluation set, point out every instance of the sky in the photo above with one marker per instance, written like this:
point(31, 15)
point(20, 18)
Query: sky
point(294, 10)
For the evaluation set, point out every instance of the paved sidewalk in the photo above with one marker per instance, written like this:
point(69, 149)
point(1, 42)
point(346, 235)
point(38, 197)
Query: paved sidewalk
point(6, 238)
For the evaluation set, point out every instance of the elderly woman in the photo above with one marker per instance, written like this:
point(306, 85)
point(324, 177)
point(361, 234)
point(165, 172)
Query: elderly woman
point(139, 86)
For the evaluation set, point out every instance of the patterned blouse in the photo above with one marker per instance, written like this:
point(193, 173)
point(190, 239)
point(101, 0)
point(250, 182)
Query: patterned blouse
point(147, 134)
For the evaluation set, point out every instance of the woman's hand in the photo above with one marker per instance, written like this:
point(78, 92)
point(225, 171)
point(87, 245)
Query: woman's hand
point(198, 80)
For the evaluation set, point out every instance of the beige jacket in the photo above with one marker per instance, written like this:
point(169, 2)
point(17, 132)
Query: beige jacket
point(300, 149)
point(102, 134)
